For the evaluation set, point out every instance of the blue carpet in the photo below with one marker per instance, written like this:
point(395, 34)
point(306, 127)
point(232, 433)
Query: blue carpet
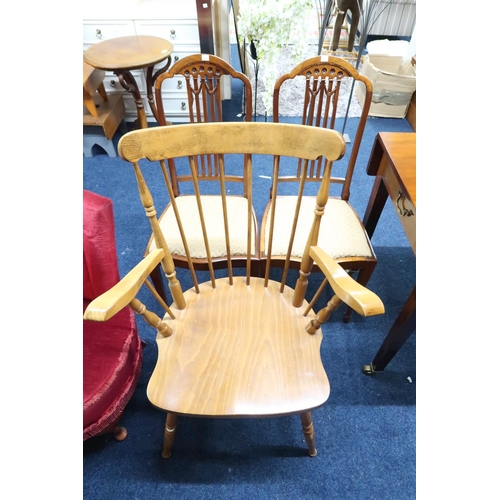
point(365, 432)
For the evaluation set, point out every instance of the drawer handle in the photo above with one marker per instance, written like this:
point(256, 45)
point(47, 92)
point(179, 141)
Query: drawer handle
point(404, 212)
point(112, 83)
point(183, 106)
point(172, 34)
point(179, 84)
point(98, 33)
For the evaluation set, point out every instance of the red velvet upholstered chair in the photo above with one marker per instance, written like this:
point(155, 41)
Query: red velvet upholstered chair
point(112, 351)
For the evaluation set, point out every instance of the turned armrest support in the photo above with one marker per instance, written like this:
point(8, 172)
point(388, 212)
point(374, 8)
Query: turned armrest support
point(362, 300)
point(116, 298)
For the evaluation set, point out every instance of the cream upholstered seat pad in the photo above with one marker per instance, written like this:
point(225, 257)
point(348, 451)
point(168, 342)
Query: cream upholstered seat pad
point(341, 232)
point(237, 208)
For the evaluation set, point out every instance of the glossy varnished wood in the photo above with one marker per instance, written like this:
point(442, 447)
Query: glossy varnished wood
point(201, 76)
point(124, 54)
point(400, 148)
point(128, 52)
point(242, 351)
point(393, 162)
point(324, 76)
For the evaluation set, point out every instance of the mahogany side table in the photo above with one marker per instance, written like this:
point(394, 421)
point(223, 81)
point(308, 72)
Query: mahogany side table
point(123, 54)
point(393, 162)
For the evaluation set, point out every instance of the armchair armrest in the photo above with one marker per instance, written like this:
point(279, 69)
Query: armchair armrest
point(123, 293)
point(362, 300)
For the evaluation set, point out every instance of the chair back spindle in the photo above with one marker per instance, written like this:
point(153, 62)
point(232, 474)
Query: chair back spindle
point(307, 262)
point(203, 76)
point(167, 263)
point(325, 77)
point(271, 142)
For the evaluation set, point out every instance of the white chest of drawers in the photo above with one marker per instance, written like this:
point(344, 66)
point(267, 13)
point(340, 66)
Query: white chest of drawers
point(171, 20)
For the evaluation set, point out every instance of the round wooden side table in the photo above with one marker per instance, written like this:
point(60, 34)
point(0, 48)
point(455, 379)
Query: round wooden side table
point(123, 54)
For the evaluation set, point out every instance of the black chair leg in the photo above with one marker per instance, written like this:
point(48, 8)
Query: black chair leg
point(157, 279)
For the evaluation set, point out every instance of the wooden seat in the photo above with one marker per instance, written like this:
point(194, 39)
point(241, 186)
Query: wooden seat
point(235, 345)
point(289, 212)
point(202, 76)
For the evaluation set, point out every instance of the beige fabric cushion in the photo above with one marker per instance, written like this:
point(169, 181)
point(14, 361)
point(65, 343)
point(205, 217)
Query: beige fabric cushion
point(341, 232)
point(237, 208)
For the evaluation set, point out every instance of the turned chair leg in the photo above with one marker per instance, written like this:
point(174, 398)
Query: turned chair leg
point(307, 427)
point(169, 436)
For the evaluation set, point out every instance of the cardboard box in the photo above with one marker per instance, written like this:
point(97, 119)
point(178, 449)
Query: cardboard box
point(394, 83)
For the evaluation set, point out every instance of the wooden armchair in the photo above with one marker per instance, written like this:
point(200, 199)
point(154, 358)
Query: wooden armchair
point(236, 345)
point(343, 237)
point(201, 76)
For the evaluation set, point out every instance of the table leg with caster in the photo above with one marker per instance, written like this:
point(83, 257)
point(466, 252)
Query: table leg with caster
point(403, 327)
point(150, 81)
point(128, 82)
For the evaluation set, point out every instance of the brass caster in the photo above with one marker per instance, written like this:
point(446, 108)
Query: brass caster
point(313, 454)
point(368, 369)
point(165, 455)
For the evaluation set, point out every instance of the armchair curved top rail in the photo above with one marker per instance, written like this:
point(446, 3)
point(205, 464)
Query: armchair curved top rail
point(279, 139)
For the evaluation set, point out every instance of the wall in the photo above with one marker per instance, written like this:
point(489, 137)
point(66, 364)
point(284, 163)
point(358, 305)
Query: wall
point(397, 19)
point(139, 9)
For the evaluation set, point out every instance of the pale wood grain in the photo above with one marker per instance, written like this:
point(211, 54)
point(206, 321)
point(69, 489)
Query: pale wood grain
point(402, 153)
point(116, 298)
point(239, 351)
point(362, 300)
point(239, 346)
point(245, 137)
point(167, 263)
